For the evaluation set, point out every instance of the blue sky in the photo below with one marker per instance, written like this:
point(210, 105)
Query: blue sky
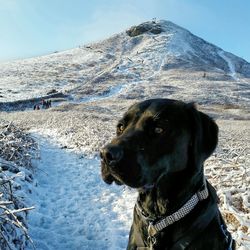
point(35, 27)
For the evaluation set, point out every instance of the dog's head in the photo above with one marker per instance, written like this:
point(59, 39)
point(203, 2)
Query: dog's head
point(157, 137)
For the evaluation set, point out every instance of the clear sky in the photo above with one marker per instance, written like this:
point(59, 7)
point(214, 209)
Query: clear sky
point(35, 27)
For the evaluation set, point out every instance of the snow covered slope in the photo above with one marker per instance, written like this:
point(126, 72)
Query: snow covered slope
point(169, 63)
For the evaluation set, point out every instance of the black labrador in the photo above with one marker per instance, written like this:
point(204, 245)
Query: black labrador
point(160, 149)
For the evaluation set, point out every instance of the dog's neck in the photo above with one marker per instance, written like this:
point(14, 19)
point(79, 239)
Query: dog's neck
point(169, 193)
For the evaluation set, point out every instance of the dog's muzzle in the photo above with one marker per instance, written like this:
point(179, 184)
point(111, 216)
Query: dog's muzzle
point(111, 156)
point(120, 165)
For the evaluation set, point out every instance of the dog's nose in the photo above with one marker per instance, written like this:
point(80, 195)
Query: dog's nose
point(111, 155)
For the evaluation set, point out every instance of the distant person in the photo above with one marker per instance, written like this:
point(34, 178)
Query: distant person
point(36, 107)
point(44, 103)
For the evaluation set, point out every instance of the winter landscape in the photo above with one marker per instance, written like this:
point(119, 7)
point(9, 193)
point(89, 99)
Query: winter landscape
point(51, 192)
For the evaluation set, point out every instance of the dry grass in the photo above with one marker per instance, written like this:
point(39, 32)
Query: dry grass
point(17, 149)
point(228, 171)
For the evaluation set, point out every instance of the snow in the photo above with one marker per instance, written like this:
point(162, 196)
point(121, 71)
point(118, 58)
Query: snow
point(74, 208)
point(111, 92)
point(230, 64)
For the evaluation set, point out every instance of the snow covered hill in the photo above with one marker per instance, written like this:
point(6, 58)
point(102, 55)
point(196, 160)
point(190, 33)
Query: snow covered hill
point(90, 87)
point(169, 63)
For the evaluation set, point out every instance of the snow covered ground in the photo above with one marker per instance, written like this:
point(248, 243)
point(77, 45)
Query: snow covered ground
point(74, 208)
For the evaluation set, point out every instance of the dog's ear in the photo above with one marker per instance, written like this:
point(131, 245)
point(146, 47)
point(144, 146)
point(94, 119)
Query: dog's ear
point(209, 134)
point(204, 134)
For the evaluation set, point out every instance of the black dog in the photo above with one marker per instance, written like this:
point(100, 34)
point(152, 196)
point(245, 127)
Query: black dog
point(160, 149)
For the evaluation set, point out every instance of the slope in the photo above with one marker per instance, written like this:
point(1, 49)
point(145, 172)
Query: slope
point(170, 63)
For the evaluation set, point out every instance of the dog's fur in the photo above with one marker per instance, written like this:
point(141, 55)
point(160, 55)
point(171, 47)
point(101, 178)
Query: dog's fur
point(160, 149)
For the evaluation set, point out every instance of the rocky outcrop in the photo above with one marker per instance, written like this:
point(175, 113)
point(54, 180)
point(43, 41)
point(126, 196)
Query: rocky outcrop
point(152, 27)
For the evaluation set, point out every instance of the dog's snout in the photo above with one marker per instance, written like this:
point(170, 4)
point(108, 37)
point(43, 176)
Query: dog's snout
point(111, 155)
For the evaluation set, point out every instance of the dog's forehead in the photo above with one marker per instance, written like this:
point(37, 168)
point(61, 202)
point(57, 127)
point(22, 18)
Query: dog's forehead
point(154, 107)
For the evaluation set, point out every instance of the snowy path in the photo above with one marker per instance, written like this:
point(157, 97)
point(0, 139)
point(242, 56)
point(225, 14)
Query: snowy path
point(230, 64)
point(75, 210)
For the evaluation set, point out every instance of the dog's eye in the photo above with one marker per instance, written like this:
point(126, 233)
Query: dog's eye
point(120, 128)
point(159, 130)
